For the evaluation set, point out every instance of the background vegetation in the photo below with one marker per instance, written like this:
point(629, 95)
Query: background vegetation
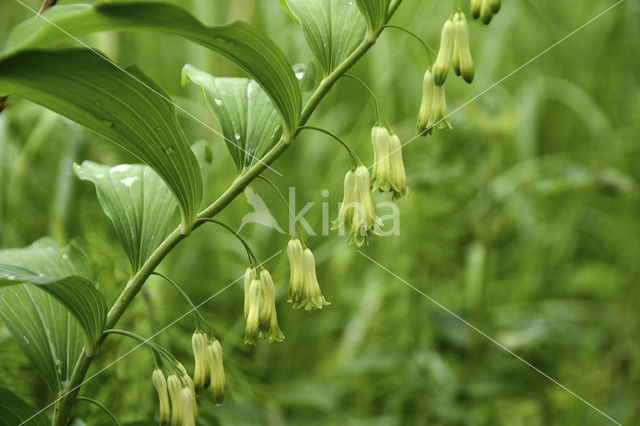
point(523, 220)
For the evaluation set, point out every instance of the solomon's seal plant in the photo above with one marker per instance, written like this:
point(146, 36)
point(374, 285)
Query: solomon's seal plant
point(260, 117)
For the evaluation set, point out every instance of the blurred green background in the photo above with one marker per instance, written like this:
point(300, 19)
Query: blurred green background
point(523, 220)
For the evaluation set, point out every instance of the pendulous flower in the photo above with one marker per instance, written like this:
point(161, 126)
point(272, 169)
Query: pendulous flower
point(345, 216)
point(201, 371)
point(388, 167)
point(187, 400)
point(398, 174)
point(426, 108)
point(174, 385)
point(216, 370)
point(296, 265)
point(433, 111)
point(443, 60)
point(381, 173)
point(312, 297)
point(304, 290)
point(252, 325)
point(268, 317)
point(364, 214)
point(188, 382)
point(160, 384)
point(249, 275)
point(462, 60)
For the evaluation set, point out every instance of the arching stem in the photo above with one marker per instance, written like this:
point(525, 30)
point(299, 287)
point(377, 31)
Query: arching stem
point(156, 350)
point(379, 112)
point(354, 158)
point(201, 322)
point(286, 204)
point(252, 258)
point(430, 52)
point(102, 407)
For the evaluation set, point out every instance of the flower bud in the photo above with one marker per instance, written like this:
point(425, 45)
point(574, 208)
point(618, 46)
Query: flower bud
point(214, 359)
point(160, 383)
point(187, 400)
point(476, 6)
point(426, 108)
point(294, 253)
point(252, 326)
point(495, 6)
point(345, 216)
point(381, 165)
point(486, 15)
point(249, 275)
point(201, 372)
point(268, 317)
point(364, 214)
point(463, 62)
point(398, 175)
point(174, 386)
point(443, 60)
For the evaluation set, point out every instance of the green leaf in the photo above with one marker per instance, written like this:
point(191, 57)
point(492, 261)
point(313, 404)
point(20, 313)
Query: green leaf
point(128, 109)
point(333, 28)
point(244, 111)
point(375, 12)
point(14, 411)
point(50, 329)
point(243, 44)
point(77, 294)
point(138, 203)
point(286, 8)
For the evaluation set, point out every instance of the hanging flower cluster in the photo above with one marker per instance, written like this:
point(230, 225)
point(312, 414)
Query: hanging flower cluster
point(208, 369)
point(177, 391)
point(304, 290)
point(454, 50)
point(357, 212)
point(388, 167)
point(261, 318)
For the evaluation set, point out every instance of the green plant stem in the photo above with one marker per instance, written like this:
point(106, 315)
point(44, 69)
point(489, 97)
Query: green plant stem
point(135, 283)
point(373, 96)
point(250, 256)
point(147, 342)
point(199, 318)
point(354, 157)
point(102, 407)
point(286, 204)
point(430, 52)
